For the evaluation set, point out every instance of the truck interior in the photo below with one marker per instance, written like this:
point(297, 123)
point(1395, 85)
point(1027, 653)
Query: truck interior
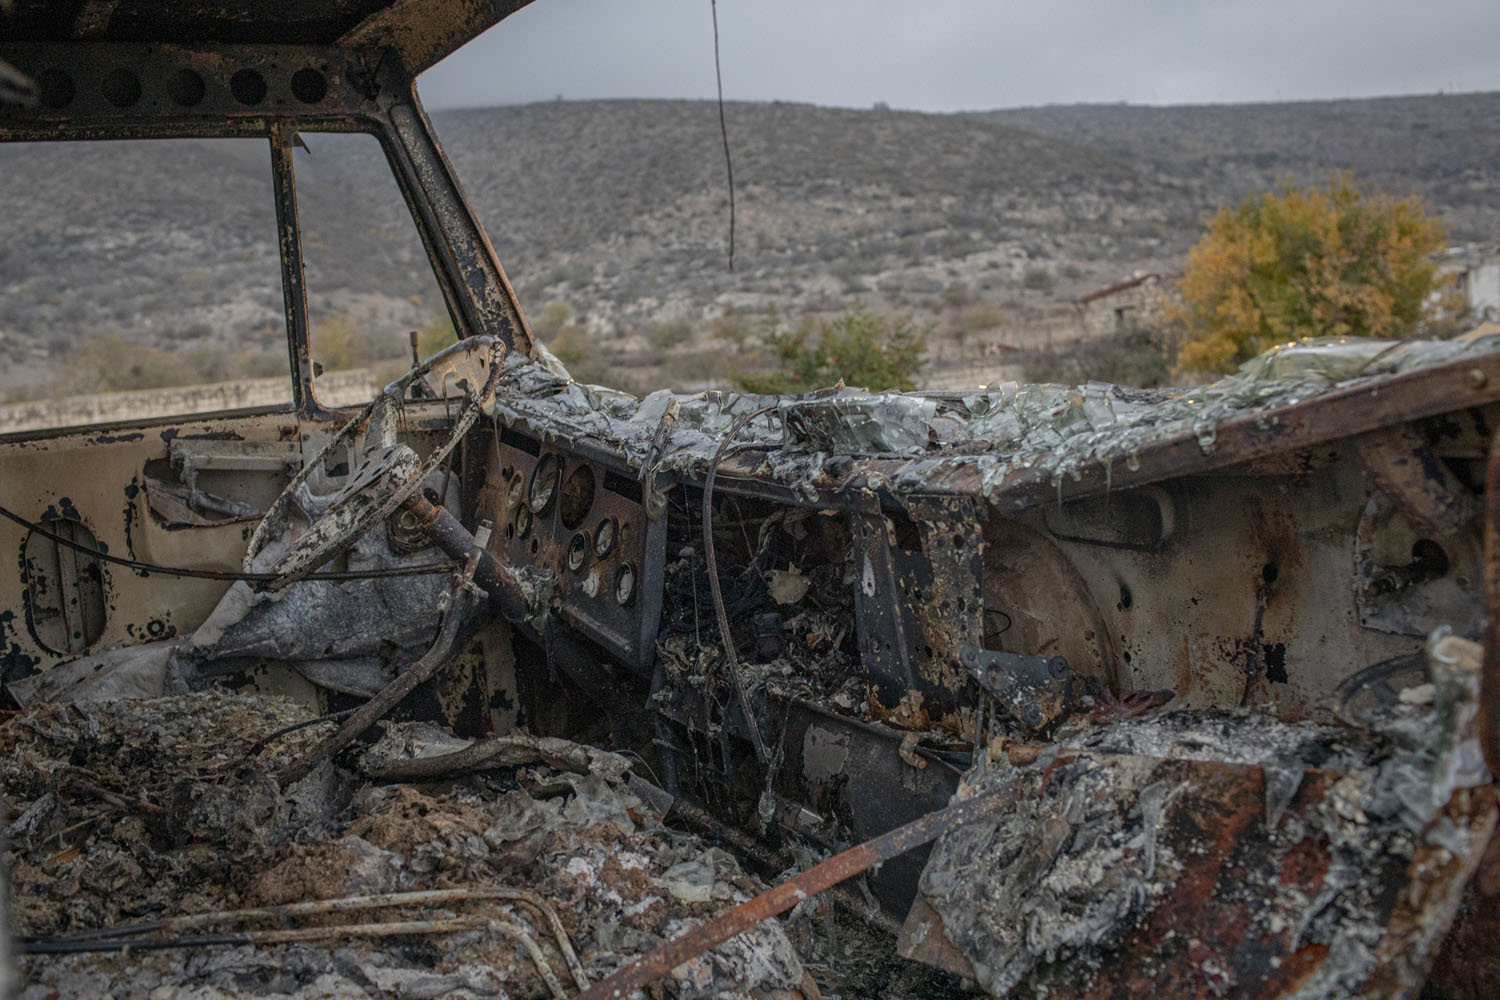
point(1210, 667)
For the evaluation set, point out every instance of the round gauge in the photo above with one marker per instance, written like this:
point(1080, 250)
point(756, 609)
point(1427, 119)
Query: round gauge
point(523, 521)
point(604, 537)
point(578, 551)
point(544, 484)
point(577, 497)
point(625, 584)
point(515, 491)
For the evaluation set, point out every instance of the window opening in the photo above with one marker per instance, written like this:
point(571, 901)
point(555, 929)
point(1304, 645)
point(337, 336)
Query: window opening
point(369, 281)
point(138, 279)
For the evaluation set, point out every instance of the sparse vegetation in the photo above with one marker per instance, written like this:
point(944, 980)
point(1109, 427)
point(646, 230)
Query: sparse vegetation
point(113, 364)
point(734, 327)
point(1141, 359)
point(1038, 279)
point(862, 348)
point(554, 316)
point(666, 336)
point(848, 208)
point(436, 334)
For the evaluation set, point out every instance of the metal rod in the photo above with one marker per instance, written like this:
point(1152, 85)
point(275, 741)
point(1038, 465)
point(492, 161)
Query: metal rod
point(519, 935)
point(49, 946)
point(398, 928)
point(388, 697)
point(700, 820)
point(319, 907)
point(748, 915)
point(1489, 671)
point(346, 904)
point(504, 590)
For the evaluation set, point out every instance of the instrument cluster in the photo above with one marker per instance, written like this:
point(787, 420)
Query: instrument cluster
point(587, 522)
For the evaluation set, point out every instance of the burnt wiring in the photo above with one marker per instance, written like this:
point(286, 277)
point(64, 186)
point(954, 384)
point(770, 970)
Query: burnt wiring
point(255, 751)
point(687, 591)
point(731, 658)
point(991, 612)
point(145, 568)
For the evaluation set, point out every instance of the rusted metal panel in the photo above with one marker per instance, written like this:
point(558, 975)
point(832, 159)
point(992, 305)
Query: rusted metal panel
point(100, 475)
point(477, 290)
point(293, 276)
point(1138, 876)
point(922, 939)
point(190, 90)
point(1489, 674)
point(423, 31)
point(1408, 470)
point(1327, 417)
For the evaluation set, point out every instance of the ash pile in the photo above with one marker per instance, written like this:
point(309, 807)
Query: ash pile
point(514, 867)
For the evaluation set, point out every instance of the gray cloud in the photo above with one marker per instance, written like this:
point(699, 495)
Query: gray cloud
point(945, 55)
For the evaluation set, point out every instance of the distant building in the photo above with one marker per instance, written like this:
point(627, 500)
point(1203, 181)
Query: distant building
point(1476, 271)
point(1138, 303)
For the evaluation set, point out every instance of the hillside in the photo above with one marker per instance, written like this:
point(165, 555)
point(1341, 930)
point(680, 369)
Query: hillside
point(979, 224)
point(1442, 146)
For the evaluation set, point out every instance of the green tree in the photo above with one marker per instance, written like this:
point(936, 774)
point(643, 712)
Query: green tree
point(864, 349)
point(1334, 260)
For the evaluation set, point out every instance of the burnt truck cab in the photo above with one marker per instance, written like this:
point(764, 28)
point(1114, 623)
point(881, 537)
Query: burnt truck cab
point(1220, 647)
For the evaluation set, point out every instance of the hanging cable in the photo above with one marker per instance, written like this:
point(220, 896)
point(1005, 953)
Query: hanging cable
point(723, 129)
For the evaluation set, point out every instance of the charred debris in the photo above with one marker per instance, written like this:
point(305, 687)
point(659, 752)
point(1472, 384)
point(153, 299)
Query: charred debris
point(509, 686)
point(804, 627)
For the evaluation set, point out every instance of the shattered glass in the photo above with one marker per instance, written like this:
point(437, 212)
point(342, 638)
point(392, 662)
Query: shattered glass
point(1003, 428)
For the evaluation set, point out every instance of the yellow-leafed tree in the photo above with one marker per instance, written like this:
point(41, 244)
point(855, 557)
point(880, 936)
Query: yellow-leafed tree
point(1327, 261)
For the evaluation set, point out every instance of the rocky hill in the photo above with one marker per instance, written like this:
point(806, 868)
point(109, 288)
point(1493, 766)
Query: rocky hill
point(978, 223)
point(1442, 147)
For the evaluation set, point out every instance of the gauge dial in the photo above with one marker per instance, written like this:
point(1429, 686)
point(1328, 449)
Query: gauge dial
point(578, 551)
point(544, 484)
point(625, 585)
point(604, 537)
point(577, 497)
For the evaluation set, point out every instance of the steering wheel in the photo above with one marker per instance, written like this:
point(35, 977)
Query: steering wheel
point(386, 474)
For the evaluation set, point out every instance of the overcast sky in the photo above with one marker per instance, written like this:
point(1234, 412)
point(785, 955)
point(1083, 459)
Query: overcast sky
point(948, 55)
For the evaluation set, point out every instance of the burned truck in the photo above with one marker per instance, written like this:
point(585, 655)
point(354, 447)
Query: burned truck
point(1079, 690)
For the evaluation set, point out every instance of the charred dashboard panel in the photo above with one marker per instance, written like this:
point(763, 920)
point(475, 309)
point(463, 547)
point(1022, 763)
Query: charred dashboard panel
point(586, 521)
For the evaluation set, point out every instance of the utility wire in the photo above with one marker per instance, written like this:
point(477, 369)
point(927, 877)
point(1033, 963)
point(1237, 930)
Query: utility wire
point(724, 129)
point(422, 569)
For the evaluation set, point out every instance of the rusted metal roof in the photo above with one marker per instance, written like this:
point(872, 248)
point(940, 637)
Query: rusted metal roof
point(1123, 286)
point(421, 31)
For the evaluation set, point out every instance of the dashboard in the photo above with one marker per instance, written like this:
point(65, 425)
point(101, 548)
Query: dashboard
point(586, 520)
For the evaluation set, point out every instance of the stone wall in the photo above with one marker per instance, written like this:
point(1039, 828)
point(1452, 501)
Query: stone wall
point(1137, 304)
point(347, 388)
